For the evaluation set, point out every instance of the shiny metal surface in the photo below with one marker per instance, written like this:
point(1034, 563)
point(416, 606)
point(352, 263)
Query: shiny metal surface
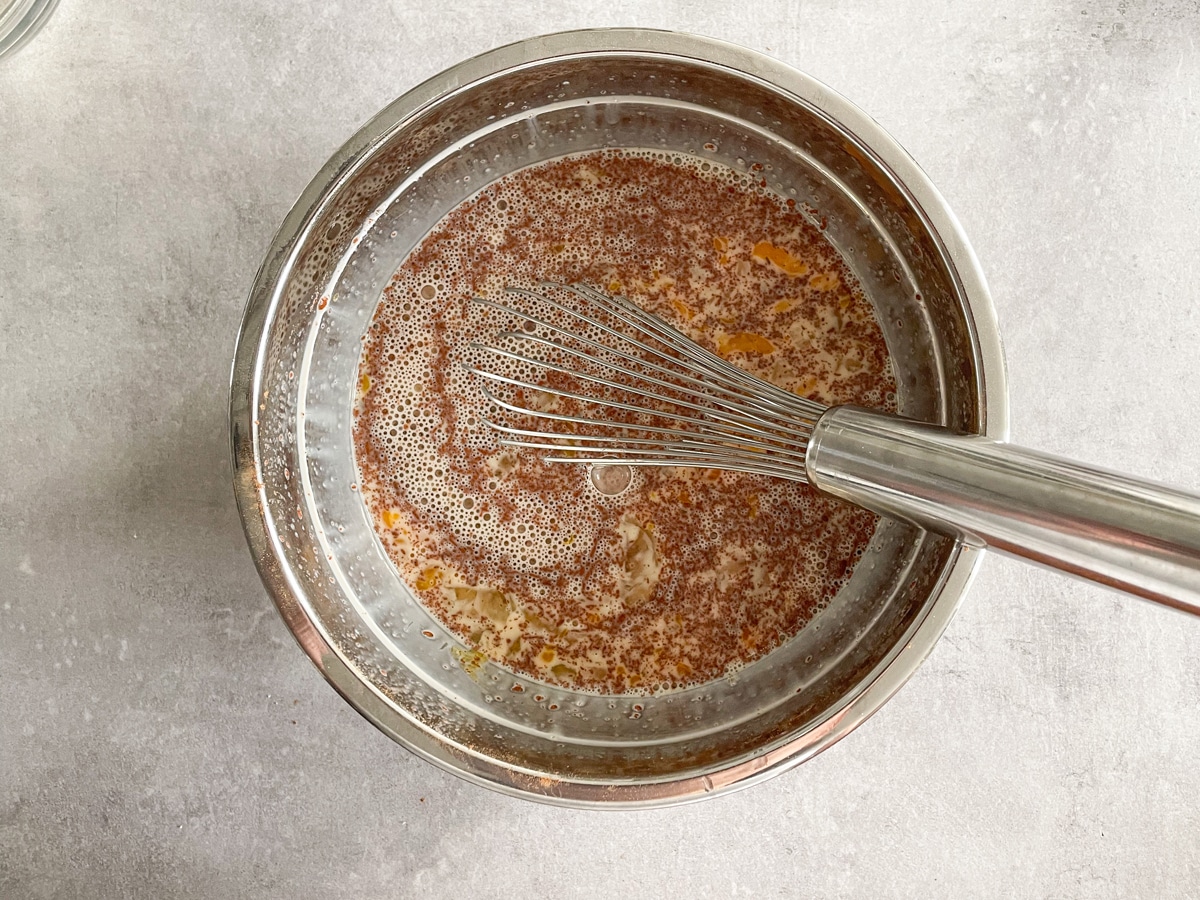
point(20, 21)
point(1125, 532)
point(296, 360)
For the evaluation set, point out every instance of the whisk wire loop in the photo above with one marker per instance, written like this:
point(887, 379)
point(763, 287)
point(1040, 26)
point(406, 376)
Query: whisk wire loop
point(734, 388)
point(662, 437)
point(732, 414)
point(752, 388)
point(682, 405)
point(749, 437)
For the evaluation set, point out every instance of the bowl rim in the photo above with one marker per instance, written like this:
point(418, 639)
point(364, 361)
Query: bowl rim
point(246, 384)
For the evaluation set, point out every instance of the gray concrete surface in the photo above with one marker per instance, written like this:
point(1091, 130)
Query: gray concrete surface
point(160, 734)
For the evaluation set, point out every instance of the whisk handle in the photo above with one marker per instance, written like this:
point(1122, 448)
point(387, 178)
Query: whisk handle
point(1134, 535)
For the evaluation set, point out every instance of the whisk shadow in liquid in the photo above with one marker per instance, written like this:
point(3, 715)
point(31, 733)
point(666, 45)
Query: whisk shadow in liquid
point(616, 385)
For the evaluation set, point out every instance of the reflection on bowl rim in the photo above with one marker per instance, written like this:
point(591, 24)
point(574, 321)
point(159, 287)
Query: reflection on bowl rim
point(20, 21)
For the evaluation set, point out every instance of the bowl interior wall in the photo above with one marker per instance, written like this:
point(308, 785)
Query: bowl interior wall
point(417, 173)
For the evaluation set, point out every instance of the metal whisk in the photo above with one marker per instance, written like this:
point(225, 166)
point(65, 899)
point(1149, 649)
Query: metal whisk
point(621, 387)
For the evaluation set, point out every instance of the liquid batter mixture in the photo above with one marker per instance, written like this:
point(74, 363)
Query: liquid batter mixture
point(686, 574)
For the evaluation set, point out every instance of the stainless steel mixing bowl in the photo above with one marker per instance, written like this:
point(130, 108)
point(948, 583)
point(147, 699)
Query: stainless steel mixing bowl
point(295, 368)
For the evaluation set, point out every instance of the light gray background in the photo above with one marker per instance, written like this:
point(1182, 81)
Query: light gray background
point(161, 736)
